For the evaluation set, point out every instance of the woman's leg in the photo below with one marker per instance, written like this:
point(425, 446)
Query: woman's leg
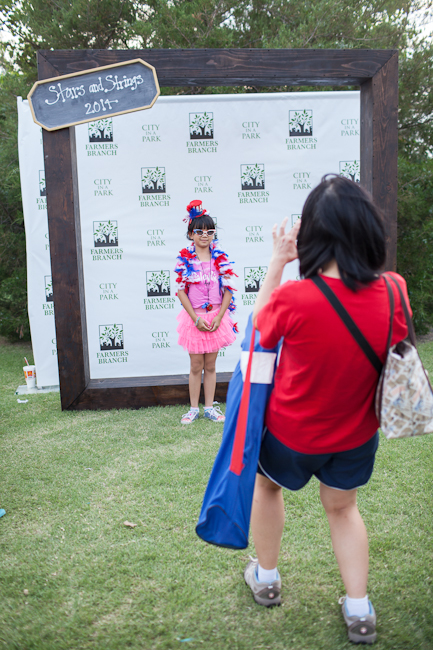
point(267, 521)
point(349, 538)
point(197, 364)
point(209, 378)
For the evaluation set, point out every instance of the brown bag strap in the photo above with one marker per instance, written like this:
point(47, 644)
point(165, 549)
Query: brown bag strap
point(391, 311)
point(409, 323)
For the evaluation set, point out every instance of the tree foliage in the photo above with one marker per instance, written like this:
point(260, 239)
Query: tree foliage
point(102, 24)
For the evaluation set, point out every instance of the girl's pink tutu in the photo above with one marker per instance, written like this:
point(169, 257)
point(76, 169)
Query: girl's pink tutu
point(197, 342)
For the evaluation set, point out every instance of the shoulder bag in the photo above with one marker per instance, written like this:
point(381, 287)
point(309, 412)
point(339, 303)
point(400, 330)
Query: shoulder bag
point(404, 396)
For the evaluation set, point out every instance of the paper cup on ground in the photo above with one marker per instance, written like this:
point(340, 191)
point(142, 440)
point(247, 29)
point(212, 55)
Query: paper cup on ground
point(30, 375)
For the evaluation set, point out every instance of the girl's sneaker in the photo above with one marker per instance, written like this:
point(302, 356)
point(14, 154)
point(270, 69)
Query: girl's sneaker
point(190, 416)
point(360, 629)
point(214, 413)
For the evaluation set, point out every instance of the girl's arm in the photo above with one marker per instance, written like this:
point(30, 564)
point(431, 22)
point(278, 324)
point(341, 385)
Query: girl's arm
point(285, 250)
point(186, 304)
point(224, 305)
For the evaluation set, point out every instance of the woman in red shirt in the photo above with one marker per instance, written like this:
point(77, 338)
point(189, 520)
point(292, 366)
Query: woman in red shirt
point(320, 418)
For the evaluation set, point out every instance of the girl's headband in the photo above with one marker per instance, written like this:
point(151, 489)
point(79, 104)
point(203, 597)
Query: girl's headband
point(194, 210)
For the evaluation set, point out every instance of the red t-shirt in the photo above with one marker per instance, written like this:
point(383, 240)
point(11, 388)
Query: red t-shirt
point(323, 399)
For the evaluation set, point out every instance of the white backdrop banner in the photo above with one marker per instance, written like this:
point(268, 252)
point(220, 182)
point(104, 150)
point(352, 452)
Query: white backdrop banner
point(251, 159)
point(39, 285)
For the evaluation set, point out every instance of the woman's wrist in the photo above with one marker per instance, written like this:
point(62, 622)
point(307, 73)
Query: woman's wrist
point(198, 318)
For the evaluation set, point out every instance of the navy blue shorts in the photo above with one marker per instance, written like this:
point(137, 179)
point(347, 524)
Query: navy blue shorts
point(343, 470)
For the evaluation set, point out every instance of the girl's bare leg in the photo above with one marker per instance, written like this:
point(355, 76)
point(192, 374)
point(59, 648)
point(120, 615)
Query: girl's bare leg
point(197, 365)
point(209, 379)
point(267, 521)
point(349, 538)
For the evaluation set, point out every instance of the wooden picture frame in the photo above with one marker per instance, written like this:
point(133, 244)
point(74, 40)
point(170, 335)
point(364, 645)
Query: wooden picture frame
point(375, 71)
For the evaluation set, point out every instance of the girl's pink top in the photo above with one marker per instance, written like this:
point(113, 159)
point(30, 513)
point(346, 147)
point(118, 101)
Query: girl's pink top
point(207, 290)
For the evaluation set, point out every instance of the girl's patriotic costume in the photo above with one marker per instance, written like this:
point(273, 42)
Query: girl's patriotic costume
point(189, 272)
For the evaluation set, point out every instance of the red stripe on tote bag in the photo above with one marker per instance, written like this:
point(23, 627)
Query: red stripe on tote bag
point(236, 464)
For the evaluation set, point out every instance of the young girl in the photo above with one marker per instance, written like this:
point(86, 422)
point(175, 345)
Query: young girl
point(205, 279)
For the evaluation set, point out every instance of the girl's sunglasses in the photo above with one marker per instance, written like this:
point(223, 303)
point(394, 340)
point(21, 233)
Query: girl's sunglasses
point(208, 233)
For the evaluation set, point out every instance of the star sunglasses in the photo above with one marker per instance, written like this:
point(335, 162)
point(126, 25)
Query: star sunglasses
point(208, 233)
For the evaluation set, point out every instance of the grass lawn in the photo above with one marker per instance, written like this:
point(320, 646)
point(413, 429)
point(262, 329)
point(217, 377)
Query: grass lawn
point(70, 479)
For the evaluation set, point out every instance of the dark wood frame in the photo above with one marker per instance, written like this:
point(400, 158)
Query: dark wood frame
point(375, 71)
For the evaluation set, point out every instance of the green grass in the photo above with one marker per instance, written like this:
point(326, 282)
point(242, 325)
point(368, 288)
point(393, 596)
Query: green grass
point(69, 480)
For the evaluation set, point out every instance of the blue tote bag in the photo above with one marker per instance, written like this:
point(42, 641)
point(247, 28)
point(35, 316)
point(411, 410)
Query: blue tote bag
point(225, 514)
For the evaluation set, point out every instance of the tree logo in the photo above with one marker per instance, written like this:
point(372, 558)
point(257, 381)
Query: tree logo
point(111, 337)
point(294, 218)
point(153, 180)
point(301, 123)
point(48, 288)
point(201, 126)
point(253, 278)
point(101, 130)
point(105, 234)
point(350, 169)
point(158, 283)
point(253, 177)
point(42, 185)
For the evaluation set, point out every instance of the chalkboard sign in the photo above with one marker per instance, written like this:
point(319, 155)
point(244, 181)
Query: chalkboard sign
point(87, 96)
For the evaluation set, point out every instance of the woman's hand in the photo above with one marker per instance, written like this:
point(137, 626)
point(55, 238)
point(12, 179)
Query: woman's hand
point(203, 326)
point(285, 249)
point(215, 323)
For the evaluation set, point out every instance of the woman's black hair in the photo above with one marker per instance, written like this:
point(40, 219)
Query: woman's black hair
point(205, 222)
point(340, 221)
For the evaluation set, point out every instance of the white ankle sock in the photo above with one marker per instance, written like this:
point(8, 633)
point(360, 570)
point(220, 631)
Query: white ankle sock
point(266, 575)
point(194, 408)
point(357, 606)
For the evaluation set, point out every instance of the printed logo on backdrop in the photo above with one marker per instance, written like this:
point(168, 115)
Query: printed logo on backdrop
point(301, 130)
point(48, 305)
point(109, 291)
point(105, 233)
point(160, 340)
point(101, 130)
point(158, 291)
point(350, 169)
point(253, 280)
point(253, 184)
point(41, 201)
point(101, 138)
point(301, 181)
point(203, 184)
point(42, 184)
point(155, 237)
point(106, 241)
point(103, 187)
point(153, 183)
point(151, 133)
point(250, 131)
point(48, 288)
point(201, 133)
point(254, 235)
point(294, 218)
point(222, 352)
point(111, 344)
point(350, 127)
